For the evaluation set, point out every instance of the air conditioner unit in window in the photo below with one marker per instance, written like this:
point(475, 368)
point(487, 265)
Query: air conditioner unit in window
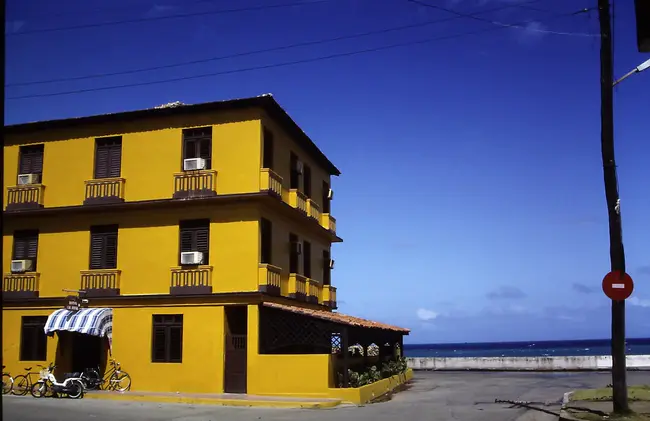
point(330, 194)
point(28, 179)
point(20, 266)
point(191, 258)
point(331, 263)
point(299, 167)
point(296, 248)
point(193, 164)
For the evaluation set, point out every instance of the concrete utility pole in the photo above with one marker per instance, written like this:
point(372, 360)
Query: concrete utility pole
point(616, 250)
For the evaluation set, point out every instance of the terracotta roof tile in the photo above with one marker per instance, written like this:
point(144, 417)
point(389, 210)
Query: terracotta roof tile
point(337, 317)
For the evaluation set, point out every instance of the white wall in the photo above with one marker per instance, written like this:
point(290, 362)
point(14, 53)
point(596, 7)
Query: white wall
point(602, 362)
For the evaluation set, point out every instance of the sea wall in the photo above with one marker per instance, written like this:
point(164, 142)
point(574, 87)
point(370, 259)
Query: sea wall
point(582, 363)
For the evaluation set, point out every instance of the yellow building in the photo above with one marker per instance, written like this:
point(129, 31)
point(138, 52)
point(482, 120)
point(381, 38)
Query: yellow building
point(198, 241)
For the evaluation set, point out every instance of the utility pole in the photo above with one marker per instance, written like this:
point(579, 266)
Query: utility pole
point(616, 250)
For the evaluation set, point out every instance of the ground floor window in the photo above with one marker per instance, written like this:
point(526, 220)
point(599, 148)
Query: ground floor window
point(167, 338)
point(33, 342)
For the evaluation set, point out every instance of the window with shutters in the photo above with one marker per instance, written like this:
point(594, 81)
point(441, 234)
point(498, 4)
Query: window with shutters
point(103, 247)
point(267, 156)
point(33, 342)
point(306, 259)
point(197, 143)
point(266, 241)
point(293, 254)
point(167, 338)
point(307, 181)
point(31, 159)
point(195, 236)
point(294, 176)
point(26, 246)
point(327, 271)
point(108, 157)
point(325, 195)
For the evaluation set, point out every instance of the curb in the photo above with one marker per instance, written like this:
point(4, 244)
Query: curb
point(214, 401)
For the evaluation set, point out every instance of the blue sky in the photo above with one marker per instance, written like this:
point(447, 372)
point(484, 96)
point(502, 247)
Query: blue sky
point(471, 201)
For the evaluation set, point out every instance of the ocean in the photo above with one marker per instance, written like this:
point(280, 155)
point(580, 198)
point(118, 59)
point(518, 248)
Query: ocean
point(526, 349)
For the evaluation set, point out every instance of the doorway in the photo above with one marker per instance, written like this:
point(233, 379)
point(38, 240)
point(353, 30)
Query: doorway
point(236, 347)
point(88, 352)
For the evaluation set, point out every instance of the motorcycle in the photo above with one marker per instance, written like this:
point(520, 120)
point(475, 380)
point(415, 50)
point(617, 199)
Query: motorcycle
point(91, 379)
point(72, 386)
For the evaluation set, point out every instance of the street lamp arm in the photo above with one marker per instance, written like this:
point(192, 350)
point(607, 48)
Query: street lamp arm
point(638, 69)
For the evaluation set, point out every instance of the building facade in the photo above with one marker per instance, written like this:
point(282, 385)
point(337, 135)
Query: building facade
point(198, 240)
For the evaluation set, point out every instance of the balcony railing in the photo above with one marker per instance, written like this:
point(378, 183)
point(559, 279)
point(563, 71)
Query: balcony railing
point(195, 184)
point(315, 292)
point(191, 281)
point(271, 182)
point(104, 190)
point(270, 279)
point(297, 287)
point(298, 200)
point(29, 196)
point(328, 222)
point(313, 210)
point(101, 282)
point(329, 296)
point(20, 285)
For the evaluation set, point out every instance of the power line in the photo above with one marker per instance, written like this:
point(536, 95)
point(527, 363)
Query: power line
point(265, 50)
point(284, 64)
point(506, 25)
point(177, 16)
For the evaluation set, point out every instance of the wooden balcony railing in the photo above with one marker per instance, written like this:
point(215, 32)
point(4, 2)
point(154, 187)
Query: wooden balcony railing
point(101, 282)
point(29, 196)
point(195, 184)
point(298, 200)
point(20, 285)
point(329, 296)
point(191, 281)
point(328, 222)
point(315, 291)
point(270, 279)
point(313, 210)
point(297, 287)
point(104, 190)
point(271, 182)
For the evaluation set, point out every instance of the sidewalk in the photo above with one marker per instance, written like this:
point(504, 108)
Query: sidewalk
point(225, 399)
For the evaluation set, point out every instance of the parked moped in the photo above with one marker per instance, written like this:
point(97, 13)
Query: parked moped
point(47, 385)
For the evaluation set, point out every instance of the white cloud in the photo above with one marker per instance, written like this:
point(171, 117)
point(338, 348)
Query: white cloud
point(636, 301)
point(426, 315)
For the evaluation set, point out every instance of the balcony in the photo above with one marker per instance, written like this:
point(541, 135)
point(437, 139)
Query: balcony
point(314, 295)
point(297, 287)
point(271, 182)
point(270, 279)
point(329, 296)
point(28, 196)
point(191, 281)
point(195, 184)
point(101, 282)
point(20, 285)
point(328, 222)
point(313, 210)
point(298, 200)
point(104, 190)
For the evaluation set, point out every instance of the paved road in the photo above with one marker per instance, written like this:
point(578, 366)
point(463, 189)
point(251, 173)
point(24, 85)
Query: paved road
point(464, 396)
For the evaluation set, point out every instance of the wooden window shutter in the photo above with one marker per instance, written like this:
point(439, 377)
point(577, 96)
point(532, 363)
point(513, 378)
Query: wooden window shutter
point(31, 159)
point(197, 143)
point(267, 158)
point(26, 246)
point(103, 247)
point(110, 254)
point(307, 181)
point(108, 157)
point(195, 236)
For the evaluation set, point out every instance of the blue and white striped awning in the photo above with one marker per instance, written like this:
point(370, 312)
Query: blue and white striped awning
point(90, 321)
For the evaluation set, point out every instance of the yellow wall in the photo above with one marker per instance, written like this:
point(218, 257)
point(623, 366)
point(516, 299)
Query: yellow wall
point(151, 154)
point(283, 146)
point(11, 325)
point(147, 249)
point(203, 343)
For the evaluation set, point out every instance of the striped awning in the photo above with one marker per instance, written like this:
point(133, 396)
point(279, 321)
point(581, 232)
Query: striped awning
point(90, 321)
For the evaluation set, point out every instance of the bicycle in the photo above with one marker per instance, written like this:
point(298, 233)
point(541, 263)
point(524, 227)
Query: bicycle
point(7, 382)
point(114, 379)
point(23, 382)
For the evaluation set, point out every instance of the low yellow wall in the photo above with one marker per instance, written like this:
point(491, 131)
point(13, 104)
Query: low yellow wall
point(365, 394)
point(295, 375)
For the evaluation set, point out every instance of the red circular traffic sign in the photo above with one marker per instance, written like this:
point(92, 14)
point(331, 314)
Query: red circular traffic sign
point(618, 285)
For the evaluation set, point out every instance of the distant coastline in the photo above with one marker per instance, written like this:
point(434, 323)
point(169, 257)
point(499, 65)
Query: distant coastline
point(583, 347)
